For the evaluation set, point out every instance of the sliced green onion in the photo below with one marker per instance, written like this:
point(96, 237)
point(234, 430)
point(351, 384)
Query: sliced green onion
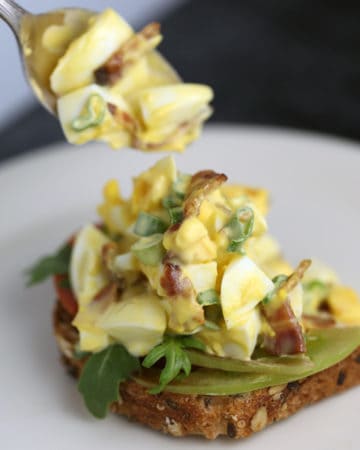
point(209, 297)
point(176, 214)
point(149, 250)
point(211, 325)
point(178, 191)
point(315, 284)
point(148, 224)
point(181, 184)
point(278, 281)
point(171, 201)
point(240, 228)
point(93, 116)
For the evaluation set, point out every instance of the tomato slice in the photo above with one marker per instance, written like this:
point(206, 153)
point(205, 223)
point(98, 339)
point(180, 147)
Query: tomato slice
point(65, 295)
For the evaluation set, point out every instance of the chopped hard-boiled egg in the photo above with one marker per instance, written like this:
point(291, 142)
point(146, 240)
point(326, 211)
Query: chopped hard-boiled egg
point(202, 276)
point(87, 272)
point(92, 338)
point(57, 38)
point(243, 286)
point(206, 270)
point(85, 115)
point(344, 304)
point(192, 241)
point(138, 322)
point(152, 186)
point(142, 101)
point(114, 211)
point(105, 34)
point(237, 342)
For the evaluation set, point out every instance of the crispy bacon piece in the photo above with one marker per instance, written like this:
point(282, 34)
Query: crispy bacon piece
point(137, 45)
point(186, 314)
point(173, 282)
point(201, 185)
point(124, 119)
point(288, 338)
point(108, 253)
point(296, 276)
point(134, 128)
point(108, 293)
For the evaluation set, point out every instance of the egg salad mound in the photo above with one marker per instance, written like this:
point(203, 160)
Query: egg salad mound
point(191, 256)
point(183, 279)
point(112, 85)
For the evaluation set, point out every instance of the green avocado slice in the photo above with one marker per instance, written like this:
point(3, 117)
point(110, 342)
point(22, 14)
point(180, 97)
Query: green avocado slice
point(224, 376)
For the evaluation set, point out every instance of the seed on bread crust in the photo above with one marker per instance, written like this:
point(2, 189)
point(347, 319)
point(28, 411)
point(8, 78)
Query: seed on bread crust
point(259, 420)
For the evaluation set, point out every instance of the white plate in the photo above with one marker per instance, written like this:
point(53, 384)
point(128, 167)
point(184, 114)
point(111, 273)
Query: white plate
point(315, 186)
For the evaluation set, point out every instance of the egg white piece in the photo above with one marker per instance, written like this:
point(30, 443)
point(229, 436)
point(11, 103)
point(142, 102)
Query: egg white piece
point(137, 322)
point(202, 276)
point(243, 286)
point(90, 51)
point(172, 104)
point(70, 107)
point(87, 273)
point(238, 342)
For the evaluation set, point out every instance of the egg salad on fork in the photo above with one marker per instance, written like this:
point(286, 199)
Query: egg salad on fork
point(112, 85)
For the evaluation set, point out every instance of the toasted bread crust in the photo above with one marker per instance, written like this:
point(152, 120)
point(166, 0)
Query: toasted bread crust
point(236, 416)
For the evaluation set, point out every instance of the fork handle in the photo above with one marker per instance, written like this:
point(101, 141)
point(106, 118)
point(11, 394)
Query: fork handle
point(12, 13)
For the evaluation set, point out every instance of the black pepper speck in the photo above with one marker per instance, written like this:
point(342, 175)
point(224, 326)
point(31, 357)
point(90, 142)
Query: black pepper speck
point(293, 385)
point(341, 378)
point(231, 430)
point(171, 404)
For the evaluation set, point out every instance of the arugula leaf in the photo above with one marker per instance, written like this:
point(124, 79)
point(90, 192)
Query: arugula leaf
point(176, 358)
point(65, 283)
point(101, 376)
point(55, 264)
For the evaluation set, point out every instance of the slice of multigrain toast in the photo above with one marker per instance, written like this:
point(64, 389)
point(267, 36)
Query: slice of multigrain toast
point(236, 416)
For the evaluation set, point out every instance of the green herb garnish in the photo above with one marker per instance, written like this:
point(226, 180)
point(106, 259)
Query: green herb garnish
point(149, 250)
point(171, 201)
point(211, 325)
point(181, 184)
point(209, 297)
point(56, 264)
point(101, 376)
point(240, 228)
point(94, 115)
point(176, 358)
point(176, 214)
point(278, 281)
point(315, 284)
point(178, 192)
point(148, 224)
